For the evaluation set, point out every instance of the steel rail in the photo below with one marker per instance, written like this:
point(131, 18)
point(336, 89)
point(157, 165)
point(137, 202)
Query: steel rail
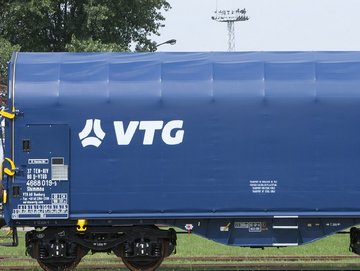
point(295, 263)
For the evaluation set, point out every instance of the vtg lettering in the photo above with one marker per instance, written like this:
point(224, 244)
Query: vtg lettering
point(171, 132)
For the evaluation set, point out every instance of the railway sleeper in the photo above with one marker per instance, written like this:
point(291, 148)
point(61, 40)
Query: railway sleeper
point(139, 247)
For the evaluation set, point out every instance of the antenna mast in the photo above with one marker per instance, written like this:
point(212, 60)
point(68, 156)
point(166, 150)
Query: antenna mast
point(230, 17)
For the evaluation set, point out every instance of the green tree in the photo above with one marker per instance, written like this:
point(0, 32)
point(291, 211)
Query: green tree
point(90, 45)
point(6, 49)
point(58, 25)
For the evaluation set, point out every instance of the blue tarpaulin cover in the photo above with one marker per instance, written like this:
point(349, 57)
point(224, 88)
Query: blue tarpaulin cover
point(192, 134)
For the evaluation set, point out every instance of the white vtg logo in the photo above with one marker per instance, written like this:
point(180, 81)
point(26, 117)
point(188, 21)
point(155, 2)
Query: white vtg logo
point(96, 140)
point(171, 132)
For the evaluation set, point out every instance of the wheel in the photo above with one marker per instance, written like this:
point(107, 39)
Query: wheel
point(65, 263)
point(146, 263)
point(57, 266)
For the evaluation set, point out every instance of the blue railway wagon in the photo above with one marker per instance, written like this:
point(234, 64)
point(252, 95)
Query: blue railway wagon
point(248, 149)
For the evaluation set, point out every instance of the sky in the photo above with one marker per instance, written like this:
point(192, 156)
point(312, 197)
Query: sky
point(274, 25)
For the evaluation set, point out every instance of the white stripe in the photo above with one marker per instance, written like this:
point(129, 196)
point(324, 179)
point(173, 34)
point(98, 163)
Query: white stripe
point(285, 227)
point(286, 216)
point(285, 244)
point(13, 77)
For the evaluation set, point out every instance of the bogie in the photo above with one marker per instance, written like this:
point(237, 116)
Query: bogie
point(54, 249)
point(140, 248)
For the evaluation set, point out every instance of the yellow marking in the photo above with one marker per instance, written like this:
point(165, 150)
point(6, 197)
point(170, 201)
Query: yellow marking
point(4, 196)
point(81, 225)
point(11, 171)
point(8, 115)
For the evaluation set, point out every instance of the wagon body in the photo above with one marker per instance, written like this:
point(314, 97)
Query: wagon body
point(213, 142)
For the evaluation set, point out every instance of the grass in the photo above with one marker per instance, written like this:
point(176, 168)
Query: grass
point(195, 246)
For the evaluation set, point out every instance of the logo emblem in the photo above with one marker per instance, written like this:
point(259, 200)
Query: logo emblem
point(92, 125)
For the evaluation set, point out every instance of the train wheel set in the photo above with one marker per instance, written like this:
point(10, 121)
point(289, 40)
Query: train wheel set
point(140, 248)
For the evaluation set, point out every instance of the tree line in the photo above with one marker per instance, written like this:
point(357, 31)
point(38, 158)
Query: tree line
point(78, 26)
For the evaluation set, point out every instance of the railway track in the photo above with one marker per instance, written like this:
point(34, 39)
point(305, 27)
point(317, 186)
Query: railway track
point(221, 258)
point(207, 263)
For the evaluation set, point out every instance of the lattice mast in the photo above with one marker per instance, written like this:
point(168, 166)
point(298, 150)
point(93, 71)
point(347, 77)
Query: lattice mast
point(230, 17)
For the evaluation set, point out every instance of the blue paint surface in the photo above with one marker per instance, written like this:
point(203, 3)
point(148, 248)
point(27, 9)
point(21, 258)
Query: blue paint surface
point(274, 133)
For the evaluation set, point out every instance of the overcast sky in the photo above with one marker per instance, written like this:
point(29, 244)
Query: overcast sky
point(274, 25)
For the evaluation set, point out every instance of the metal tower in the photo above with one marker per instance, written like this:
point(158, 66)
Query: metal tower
point(230, 17)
